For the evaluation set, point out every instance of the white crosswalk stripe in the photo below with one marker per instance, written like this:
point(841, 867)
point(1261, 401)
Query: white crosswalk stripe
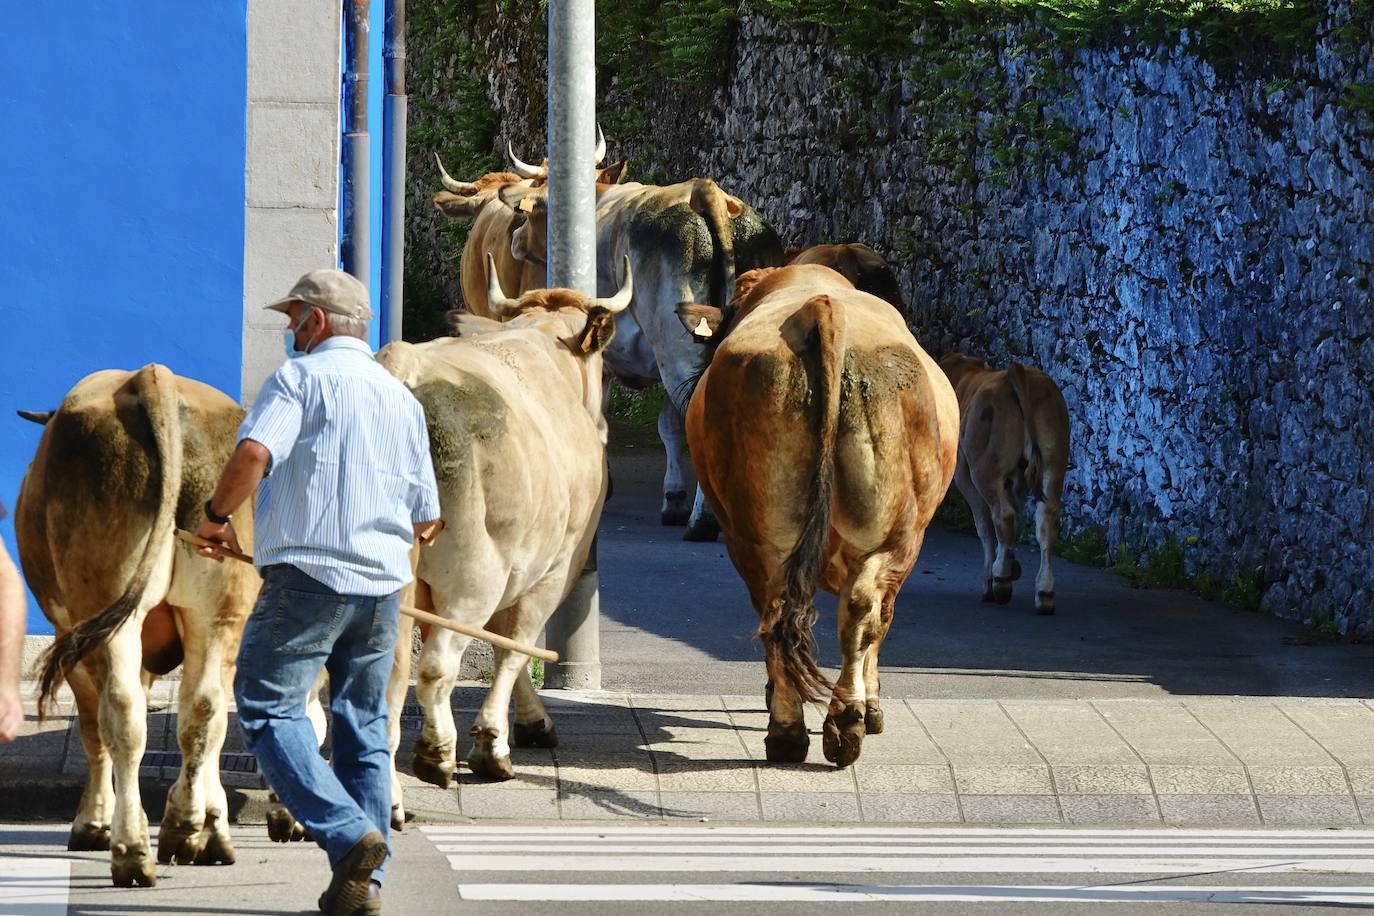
point(615, 856)
point(33, 887)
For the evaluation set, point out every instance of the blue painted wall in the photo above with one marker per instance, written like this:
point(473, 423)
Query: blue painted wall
point(121, 232)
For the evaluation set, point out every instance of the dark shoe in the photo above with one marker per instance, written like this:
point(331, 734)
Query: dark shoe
point(352, 890)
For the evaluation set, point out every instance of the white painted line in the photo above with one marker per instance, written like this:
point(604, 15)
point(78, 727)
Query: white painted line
point(785, 847)
point(810, 863)
point(34, 887)
point(879, 893)
point(969, 833)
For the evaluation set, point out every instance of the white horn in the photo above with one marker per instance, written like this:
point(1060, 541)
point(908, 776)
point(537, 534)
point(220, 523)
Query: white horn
point(496, 297)
point(457, 187)
point(600, 145)
point(524, 169)
point(621, 300)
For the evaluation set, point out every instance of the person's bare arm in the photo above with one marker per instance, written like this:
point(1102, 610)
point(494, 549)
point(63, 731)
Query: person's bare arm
point(240, 478)
point(13, 609)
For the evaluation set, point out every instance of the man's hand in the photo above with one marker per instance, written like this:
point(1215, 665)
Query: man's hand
point(224, 534)
point(11, 713)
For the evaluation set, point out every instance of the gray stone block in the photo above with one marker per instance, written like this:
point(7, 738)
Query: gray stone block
point(293, 155)
point(910, 808)
point(1308, 810)
point(810, 806)
point(1010, 809)
point(715, 806)
point(1110, 809)
point(293, 50)
point(608, 803)
point(1237, 810)
point(497, 802)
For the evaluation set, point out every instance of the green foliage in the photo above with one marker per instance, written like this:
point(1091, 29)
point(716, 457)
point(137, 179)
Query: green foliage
point(1085, 546)
point(1245, 590)
point(953, 514)
point(633, 415)
point(448, 114)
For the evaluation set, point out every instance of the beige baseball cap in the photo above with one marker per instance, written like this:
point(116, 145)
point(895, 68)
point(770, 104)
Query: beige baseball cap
point(329, 289)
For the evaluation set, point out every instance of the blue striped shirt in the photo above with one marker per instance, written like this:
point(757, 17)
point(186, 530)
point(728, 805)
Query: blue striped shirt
point(350, 470)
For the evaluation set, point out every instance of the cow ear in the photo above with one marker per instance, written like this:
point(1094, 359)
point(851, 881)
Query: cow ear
point(455, 207)
point(612, 174)
point(597, 334)
point(733, 206)
point(701, 321)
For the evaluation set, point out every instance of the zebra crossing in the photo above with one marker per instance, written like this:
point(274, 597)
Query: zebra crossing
point(780, 864)
point(34, 886)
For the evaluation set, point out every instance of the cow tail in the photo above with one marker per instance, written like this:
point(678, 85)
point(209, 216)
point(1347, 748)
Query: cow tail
point(1032, 462)
point(790, 626)
point(708, 200)
point(157, 393)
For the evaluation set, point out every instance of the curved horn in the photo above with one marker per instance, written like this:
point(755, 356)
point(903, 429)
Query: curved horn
point(463, 188)
point(524, 169)
point(496, 297)
point(600, 145)
point(621, 300)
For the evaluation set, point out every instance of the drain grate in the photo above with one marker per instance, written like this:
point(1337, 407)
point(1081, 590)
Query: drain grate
point(228, 763)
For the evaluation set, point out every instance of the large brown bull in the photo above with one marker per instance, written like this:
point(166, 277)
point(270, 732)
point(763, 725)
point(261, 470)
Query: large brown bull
point(824, 438)
point(128, 457)
point(494, 225)
point(1014, 443)
point(859, 264)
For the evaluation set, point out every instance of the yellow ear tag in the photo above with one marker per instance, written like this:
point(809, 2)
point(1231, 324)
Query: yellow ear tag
point(703, 330)
point(525, 206)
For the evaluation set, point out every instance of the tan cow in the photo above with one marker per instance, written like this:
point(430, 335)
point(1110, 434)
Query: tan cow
point(518, 441)
point(127, 458)
point(825, 438)
point(859, 264)
point(494, 224)
point(1014, 443)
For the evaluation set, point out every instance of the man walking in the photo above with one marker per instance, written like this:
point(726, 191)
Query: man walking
point(338, 452)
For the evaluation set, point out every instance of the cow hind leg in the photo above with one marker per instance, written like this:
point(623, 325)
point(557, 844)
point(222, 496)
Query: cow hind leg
point(282, 826)
point(873, 713)
point(1002, 513)
point(91, 827)
point(194, 826)
point(861, 628)
point(490, 730)
point(787, 740)
point(703, 526)
point(676, 509)
point(1046, 532)
point(436, 750)
point(124, 729)
point(395, 703)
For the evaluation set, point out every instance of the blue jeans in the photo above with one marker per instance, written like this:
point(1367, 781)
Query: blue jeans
point(297, 627)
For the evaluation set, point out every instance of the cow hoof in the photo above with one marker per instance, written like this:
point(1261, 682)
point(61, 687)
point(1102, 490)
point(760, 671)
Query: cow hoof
point(873, 719)
point(433, 764)
point(675, 517)
point(701, 532)
point(842, 736)
point(1001, 590)
point(283, 828)
point(436, 774)
point(987, 595)
point(1044, 603)
point(768, 696)
point(89, 838)
point(398, 818)
point(132, 867)
point(536, 734)
point(484, 763)
point(218, 848)
point(786, 748)
point(179, 842)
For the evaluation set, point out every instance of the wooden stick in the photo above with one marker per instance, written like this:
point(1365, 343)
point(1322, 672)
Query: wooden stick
point(434, 620)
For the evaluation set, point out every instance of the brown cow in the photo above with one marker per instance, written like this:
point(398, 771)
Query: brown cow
point(494, 224)
point(824, 438)
point(859, 264)
point(1014, 443)
point(127, 458)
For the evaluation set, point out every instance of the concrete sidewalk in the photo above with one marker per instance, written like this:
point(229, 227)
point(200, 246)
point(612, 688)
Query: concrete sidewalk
point(1214, 761)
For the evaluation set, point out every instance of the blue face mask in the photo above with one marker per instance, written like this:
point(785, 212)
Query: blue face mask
point(289, 343)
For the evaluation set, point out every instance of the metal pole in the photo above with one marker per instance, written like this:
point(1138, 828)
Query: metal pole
point(394, 172)
point(574, 632)
point(355, 243)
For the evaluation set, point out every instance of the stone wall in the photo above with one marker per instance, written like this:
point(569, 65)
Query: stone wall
point(1194, 274)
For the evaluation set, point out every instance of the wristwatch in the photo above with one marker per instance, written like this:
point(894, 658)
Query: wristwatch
point(214, 516)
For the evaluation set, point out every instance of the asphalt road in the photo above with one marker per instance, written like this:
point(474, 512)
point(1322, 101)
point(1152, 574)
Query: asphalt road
point(676, 619)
